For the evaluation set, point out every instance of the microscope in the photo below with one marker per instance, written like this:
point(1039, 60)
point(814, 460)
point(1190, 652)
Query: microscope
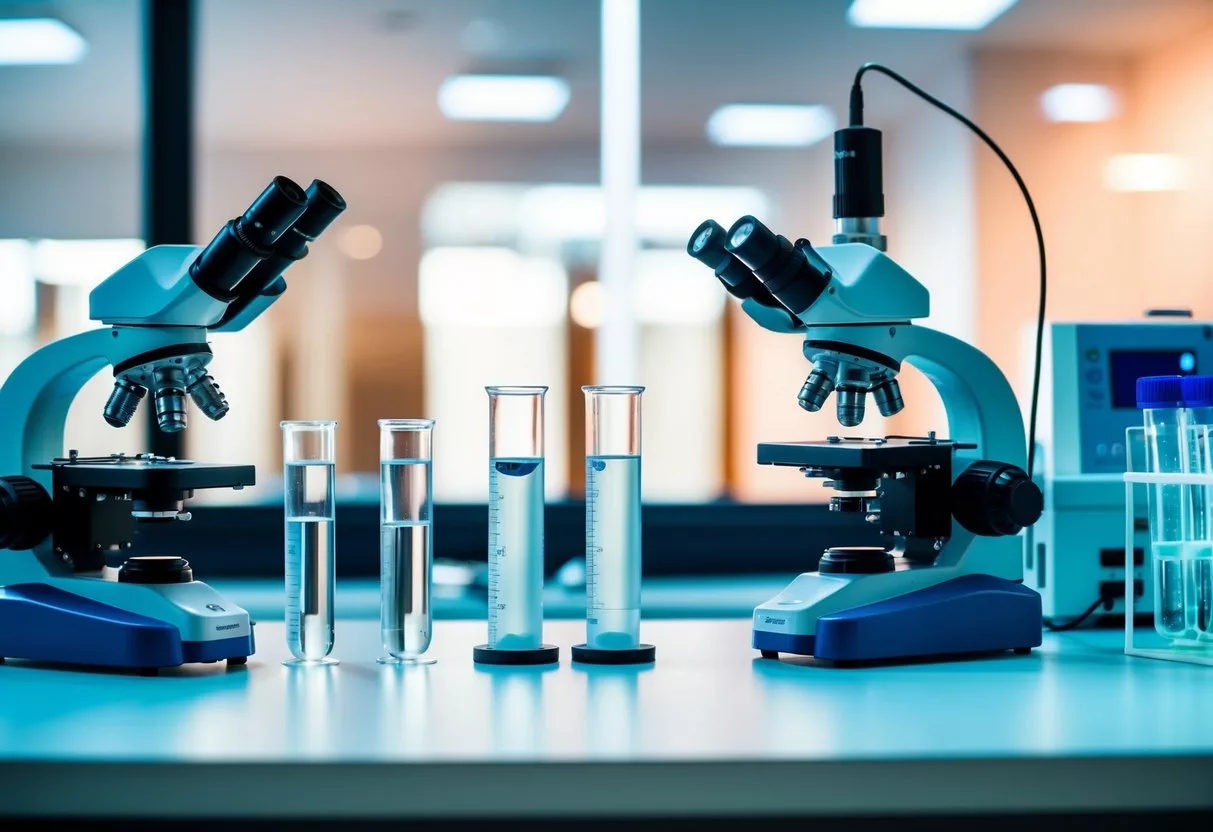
point(948, 579)
point(62, 517)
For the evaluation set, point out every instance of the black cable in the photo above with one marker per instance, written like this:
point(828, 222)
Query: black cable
point(857, 120)
point(1080, 618)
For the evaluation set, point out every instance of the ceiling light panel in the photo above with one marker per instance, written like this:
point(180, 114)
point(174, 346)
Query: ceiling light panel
point(531, 98)
point(39, 40)
point(962, 15)
point(770, 125)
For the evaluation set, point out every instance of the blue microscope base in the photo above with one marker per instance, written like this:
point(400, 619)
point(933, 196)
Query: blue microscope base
point(43, 623)
point(966, 615)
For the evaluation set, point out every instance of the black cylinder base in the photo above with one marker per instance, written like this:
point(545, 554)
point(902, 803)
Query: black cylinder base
point(641, 654)
point(547, 654)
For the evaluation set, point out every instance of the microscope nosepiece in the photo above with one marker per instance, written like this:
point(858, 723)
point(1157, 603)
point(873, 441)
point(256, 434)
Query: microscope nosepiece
point(888, 398)
point(123, 402)
point(851, 406)
point(170, 399)
point(208, 397)
point(817, 388)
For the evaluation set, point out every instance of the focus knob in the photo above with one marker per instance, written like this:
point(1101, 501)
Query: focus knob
point(993, 499)
point(25, 513)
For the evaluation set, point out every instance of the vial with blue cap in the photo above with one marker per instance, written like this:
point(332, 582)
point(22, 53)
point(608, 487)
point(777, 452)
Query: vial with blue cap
point(1195, 573)
point(1172, 545)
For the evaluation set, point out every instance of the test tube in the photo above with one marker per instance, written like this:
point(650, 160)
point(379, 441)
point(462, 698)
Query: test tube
point(612, 528)
point(406, 553)
point(515, 597)
point(309, 461)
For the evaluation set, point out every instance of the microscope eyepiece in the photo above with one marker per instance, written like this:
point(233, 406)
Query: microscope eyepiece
point(795, 274)
point(707, 245)
point(324, 205)
point(271, 214)
point(248, 239)
point(753, 243)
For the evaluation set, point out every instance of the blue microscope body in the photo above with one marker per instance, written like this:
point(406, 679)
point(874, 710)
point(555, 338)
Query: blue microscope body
point(61, 600)
point(948, 578)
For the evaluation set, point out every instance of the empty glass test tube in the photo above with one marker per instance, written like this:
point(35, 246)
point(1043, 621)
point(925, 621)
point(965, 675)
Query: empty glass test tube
point(406, 547)
point(309, 461)
point(612, 528)
point(515, 597)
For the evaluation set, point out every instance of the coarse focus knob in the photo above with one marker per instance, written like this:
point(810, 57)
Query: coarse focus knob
point(25, 513)
point(993, 499)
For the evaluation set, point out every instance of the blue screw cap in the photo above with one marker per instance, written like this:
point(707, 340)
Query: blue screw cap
point(1160, 391)
point(1197, 391)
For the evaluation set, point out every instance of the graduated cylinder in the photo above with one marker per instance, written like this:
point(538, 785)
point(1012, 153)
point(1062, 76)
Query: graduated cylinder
point(612, 517)
point(515, 556)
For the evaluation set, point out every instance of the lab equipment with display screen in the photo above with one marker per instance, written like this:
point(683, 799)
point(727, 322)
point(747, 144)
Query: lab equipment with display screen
point(1075, 557)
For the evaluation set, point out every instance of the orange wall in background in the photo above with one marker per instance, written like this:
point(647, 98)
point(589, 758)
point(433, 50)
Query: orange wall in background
point(1174, 114)
point(1090, 236)
point(1111, 255)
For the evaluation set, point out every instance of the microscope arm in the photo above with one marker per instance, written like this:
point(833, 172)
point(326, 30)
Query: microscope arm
point(35, 399)
point(981, 406)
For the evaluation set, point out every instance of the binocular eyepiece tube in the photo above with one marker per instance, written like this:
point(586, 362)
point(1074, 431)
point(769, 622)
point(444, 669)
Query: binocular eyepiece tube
point(754, 262)
point(248, 239)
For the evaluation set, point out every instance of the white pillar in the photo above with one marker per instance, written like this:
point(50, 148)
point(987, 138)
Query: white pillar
point(616, 341)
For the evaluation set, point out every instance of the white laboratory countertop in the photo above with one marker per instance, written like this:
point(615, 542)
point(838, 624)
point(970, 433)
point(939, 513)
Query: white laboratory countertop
point(708, 730)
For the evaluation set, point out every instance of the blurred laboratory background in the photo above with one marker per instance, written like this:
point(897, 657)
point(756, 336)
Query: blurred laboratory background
point(464, 135)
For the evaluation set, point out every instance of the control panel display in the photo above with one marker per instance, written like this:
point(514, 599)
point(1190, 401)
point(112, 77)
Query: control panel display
point(1127, 366)
point(1095, 367)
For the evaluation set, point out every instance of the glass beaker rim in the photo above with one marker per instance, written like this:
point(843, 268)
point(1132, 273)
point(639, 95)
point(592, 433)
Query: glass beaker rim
point(406, 424)
point(307, 423)
point(611, 389)
point(516, 390)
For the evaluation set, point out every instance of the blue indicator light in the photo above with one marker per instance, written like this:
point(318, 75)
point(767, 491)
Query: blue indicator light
point(1187, 362)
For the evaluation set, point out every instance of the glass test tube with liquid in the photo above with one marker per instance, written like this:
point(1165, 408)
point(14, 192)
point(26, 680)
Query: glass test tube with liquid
point(515, 556)
point(406, 550)
point(612, 528)
point(309, 462)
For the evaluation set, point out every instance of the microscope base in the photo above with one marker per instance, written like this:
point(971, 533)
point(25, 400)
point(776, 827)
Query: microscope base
point(44, 623)
point(964, 615)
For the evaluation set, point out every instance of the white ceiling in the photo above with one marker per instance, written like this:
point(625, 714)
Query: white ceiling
point(365, 72)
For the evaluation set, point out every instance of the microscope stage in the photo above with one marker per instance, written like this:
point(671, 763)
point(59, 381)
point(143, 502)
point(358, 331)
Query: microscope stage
point(142, 474)
point(891, 453)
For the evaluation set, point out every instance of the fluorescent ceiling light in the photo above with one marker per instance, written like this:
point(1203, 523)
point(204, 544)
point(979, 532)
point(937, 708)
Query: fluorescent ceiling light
point(81, 262)
point(770, 125)
point(39, 40)
point(503, 97)
point(1144, 172)
point(968, 15)
point(1079, 102)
